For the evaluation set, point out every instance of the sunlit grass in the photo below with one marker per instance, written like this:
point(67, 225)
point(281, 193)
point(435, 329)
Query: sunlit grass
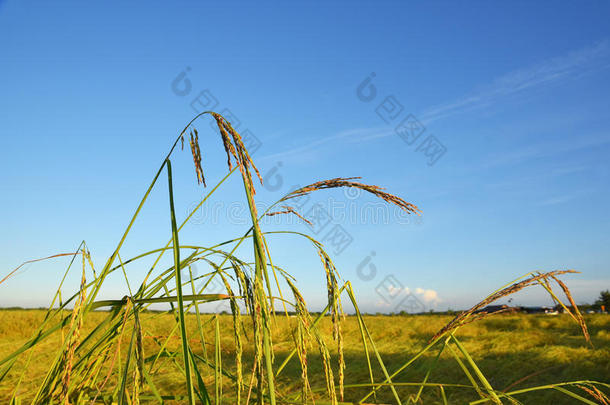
point(507, 348)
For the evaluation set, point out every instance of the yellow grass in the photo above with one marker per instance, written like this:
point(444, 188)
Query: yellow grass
point(507, 348)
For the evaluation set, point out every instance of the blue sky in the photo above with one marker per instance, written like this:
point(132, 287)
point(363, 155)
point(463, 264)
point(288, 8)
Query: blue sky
point(516, 94)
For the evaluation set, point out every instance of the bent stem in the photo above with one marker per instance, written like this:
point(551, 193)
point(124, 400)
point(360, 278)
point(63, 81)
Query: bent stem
point(185, 347)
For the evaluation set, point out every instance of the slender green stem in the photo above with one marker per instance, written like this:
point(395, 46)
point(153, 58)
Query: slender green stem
point(185, 348)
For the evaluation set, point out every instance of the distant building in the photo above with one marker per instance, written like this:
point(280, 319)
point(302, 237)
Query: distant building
point(498, 308)
point(539, 310)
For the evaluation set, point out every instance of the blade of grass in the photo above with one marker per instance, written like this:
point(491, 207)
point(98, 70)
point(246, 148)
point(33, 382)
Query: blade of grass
point(467, 372)
point(556, 386)
point(185, 348)
point(477, 371)
point(198, 316)
point(432, 366)
point(352, 297)
point(217, 362)
point(202, 391)
point(122, 390)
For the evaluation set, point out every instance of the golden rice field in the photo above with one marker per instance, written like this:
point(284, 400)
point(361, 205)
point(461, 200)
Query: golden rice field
point(513, 351)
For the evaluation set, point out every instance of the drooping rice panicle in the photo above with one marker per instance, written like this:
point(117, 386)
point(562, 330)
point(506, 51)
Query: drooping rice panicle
point(76, 324)
point(574, 311)
point(237, 327)
point(460, 318)
point(334, 301)
point(138, 379)
point(289, 210)
point(348, 182)
point(592, 390)
point(197, 157)
point(237, 149)
point(301, 337)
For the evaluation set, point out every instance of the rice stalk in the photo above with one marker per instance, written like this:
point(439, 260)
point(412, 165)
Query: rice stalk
point(289, 210)
point(198, 315)
point(574, 311)
point(237, 328)
point(76, 324)
point(481, 377)
point(123, 394)
point(388, 377)
point(138, 377)
point(117, 352)
point(334, 300)
point(467, 372)
point(16, 269)
point(185, 347)
point(217, 362)
point(461, 318)
point(417, 398)
point(302, 336)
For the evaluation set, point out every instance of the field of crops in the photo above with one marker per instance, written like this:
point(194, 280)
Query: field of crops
point(513, 351)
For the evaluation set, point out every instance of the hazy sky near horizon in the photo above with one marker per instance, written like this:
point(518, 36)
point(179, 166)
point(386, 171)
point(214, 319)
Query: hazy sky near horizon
point(491, 117)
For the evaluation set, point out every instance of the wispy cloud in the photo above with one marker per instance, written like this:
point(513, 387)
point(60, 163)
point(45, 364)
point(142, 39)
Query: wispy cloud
point(571, 65)
point(548, 148)
point(556, 200)
point(351, 135)
point(574, 64)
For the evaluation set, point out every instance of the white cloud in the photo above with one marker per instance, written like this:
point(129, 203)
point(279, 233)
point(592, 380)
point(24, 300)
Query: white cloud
point(428, 296)
point(569, 66)
point(431, 296)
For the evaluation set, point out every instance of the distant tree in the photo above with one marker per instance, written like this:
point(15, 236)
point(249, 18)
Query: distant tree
point(604, 299)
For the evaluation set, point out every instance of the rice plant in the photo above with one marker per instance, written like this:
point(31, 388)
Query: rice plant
point(117, 360)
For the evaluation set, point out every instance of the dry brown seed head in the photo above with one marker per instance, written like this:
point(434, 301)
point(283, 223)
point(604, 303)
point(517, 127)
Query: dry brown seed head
point(576, 312)
point(194, 141)
point(595, 393)
point(238, 150)
point(289, 210)
point(465, 317)
point(348, 182)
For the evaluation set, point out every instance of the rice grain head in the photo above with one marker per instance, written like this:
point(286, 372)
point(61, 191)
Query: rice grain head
point(463, 317)
point(237, 327)
point(237, 150)
point(301, 337)
point(595, 393)
point(76, 323)
point(197, 157)
point(575, 312)
point(348, 182)
point(138, 380)
point(289, 210)
point(234, 148)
